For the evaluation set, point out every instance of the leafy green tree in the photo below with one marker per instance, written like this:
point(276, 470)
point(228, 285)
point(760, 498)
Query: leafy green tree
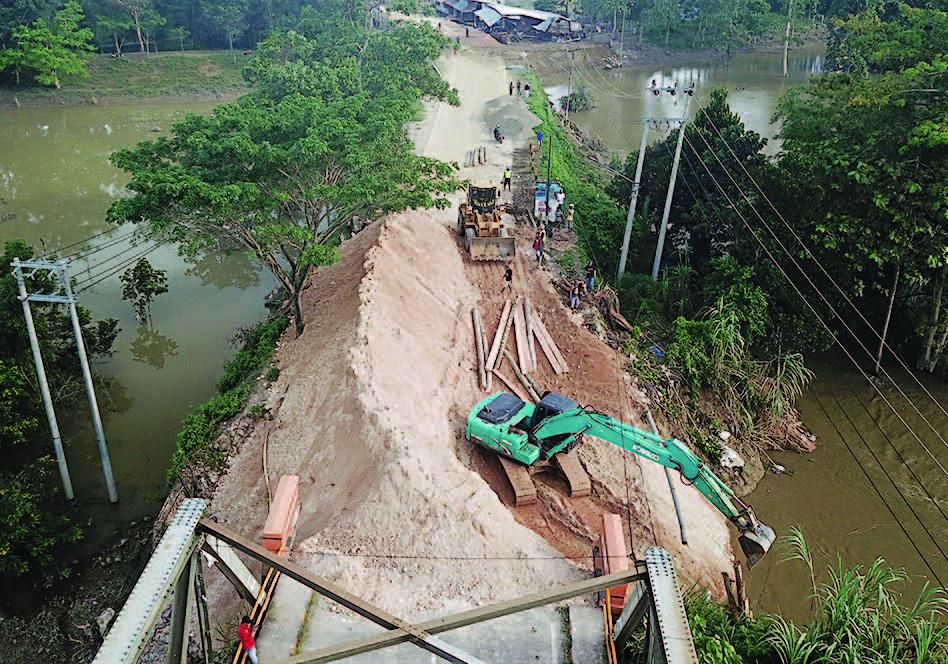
point(51, 49)
point(870, 145)
point(179, 34)
point(141, 285)
point(280, 172)
point(35, 530)
point(228, 16)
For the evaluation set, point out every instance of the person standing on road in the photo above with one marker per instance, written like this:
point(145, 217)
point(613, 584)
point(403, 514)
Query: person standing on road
point(508, 278)
point(526, 90)
point(510, 88)
point(540, 138)
point(590, 277)
point(507, 177)
point(570, 214)
point(467, 32)
point(560, 197)
point(518, 87)
point(245, 634)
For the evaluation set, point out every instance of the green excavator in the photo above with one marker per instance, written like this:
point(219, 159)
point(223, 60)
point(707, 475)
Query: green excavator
point(528, 433)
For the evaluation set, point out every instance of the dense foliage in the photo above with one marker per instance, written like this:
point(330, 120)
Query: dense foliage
point(322, 139)
point(49, 49)
point(36, 529)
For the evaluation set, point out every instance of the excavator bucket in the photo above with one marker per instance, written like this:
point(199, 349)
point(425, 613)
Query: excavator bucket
point(755, 542)
point(491, 248)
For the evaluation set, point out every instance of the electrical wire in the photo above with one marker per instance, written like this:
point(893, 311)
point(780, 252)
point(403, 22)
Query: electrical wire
point(90, 276)
point(810, 255)
point(46, 254)
point(809, 305)
point(111, 242)
point(899, 454)
point(889, 477)
point(825, 300)
point(86, 285)
point(876, 489)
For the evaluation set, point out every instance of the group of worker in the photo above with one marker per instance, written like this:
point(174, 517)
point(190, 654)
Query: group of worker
point(523, 88)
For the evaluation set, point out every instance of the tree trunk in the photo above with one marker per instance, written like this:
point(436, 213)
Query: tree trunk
point(118, 47)
point(230, 41)
point(925, 358)
point(888, 317)
point(786, 42)
point(56, 80)
point(613, 36)
point(138, 31)
point(298, 311)
point(622, 36)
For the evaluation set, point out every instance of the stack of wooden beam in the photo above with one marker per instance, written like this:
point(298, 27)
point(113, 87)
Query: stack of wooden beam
point(529, 330)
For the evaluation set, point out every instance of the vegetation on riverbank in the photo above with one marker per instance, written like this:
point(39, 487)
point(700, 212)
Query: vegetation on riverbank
point(859, 615)
point(196, 452)
point(191, 74)
point(37, 533)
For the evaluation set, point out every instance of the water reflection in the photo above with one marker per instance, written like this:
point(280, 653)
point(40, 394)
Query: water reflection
point(152, 347)
point(224, 269)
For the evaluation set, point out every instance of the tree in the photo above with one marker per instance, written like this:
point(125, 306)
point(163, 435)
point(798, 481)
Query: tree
point(228, 16)
point(51, 49)
point(141, 285)
point(179, 34)
point(139, 12)
point(280, 172)
point(870, 143)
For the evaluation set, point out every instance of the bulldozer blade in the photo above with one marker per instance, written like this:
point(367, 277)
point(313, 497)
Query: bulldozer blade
point(755, 542)
point(492, 248)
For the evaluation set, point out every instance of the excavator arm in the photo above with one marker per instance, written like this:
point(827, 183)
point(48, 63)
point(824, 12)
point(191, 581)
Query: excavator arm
point(553, 434)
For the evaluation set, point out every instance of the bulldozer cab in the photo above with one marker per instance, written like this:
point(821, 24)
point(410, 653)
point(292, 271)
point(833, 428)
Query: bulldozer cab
point(482, 199)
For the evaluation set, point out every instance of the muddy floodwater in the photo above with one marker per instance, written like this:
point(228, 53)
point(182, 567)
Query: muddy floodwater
point(754, 81)
point(55, 186)
point(827, 493)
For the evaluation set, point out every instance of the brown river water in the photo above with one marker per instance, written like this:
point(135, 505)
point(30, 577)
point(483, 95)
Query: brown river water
point(826, 493)
point(56, 184)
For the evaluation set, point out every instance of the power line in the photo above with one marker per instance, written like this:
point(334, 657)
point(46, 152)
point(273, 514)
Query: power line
point(876, 489)
point(52, 252)
point(111, 242)
point(899, 454)
point(820, 265)
point(823, 297)
point(86, 286)
point(90, 276)
point(810, 306)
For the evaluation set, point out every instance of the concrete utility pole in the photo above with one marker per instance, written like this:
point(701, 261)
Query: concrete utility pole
point(43, 384)
point(656, 264)
point(637, 184)
point(59, 270)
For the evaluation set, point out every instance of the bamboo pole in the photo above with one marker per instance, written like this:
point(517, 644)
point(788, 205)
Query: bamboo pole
point(523, 380)
point(500, 337)
point(528, 319)
point(479, 344)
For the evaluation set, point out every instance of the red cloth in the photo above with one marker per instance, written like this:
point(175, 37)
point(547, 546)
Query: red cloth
point(245, 634)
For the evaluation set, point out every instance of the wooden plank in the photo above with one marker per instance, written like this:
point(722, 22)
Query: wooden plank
point(545, 346)
point(538, 323)
point(500, 336)
point(512, 385)
point(576, 476)
point(528, 319)
point(479, 346)
point(523, 380)
point(525, 493)
point(523, 354)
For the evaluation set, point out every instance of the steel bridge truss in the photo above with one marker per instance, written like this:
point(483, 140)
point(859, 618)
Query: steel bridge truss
point(174, 573)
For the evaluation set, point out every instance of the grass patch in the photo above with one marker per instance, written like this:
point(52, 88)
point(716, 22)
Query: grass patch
point(169, 74)
point(196, 441)
point(567, 634)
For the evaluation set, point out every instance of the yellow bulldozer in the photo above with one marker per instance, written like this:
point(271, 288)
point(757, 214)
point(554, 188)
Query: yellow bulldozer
point(481, 226)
